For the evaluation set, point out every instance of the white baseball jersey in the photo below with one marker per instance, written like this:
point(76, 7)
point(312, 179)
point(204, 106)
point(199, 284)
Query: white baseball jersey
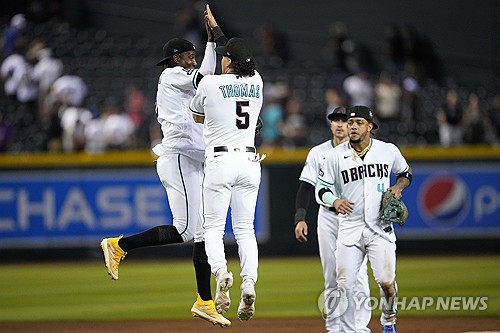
point(234, 105)
point(362, 181)
point(176, 88)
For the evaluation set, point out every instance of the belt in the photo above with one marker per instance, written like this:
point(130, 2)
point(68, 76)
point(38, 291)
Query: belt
point(220, 149)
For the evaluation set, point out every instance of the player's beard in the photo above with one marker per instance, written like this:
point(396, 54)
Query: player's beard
point(357, 138)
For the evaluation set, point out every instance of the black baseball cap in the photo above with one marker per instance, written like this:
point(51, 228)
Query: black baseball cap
point(361, 111)
point(337, 113)
point(175, 46)
point(235, 49)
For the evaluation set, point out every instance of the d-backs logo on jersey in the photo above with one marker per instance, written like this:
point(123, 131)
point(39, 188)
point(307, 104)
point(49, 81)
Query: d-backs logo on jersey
point(377, 170)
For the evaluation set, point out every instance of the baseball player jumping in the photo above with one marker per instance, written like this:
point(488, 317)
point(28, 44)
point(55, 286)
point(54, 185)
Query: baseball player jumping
point(179, 165)
point(328, 224)
point(229, 105)
point(358, 172)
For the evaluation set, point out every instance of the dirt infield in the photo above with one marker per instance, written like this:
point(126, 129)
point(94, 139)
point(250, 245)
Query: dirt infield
point(405, 325)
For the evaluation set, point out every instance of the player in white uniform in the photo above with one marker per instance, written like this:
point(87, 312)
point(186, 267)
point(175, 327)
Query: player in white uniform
point(180, 165)
point(229, 106)
point(358, 172)
point(328, 224)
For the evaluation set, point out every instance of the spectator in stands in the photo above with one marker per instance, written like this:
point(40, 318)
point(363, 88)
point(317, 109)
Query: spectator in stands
point(70, 90)
point(359, 89)
point(333, 99)
point(45, 72)
point(117, 126)
point(387, 97)
point(11, 72)
point(27, 90)
point(51, 125)
point(294, 127)
point(12, 36)
point(272, 113)
point(477, 127)
point(450, 118)
point(494, 115)
point(135, 106)
point(409, 106)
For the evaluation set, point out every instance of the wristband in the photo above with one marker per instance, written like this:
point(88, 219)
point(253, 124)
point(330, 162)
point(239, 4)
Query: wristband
point(217, 31)
point(300, 215)
point(327, 196)
point(406, 175)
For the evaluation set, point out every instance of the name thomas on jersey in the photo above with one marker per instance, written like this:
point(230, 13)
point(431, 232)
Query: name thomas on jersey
point(240, 90)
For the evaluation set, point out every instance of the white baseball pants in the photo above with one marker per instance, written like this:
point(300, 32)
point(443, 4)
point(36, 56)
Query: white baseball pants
point(232, 179)
point(182, 177)
point(382, 256)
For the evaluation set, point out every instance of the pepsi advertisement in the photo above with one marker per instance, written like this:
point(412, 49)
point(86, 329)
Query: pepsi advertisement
point(78, 208)
point(452, 201)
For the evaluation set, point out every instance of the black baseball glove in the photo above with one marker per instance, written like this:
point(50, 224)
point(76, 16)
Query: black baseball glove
point(392, 210)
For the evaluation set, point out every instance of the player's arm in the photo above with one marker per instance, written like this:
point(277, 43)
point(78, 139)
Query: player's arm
point(197, 105)
point(325, 196)
point(301, 205)
point(403, 180)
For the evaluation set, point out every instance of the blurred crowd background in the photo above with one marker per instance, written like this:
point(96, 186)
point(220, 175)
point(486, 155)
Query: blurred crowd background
point(74, 77)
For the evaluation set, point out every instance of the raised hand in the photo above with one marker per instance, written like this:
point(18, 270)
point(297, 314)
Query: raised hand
point(209, 17)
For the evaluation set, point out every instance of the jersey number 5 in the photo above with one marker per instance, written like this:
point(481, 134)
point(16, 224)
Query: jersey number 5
point(243, 120)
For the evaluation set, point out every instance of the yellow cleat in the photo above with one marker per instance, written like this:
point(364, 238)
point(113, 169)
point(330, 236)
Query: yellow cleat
point(206, 310)
point(113, 254)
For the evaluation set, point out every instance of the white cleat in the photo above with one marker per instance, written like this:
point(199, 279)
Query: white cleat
point(246, 309)
point(222, 300)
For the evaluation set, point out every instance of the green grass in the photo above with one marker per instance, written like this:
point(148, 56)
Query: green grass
point(166, 289)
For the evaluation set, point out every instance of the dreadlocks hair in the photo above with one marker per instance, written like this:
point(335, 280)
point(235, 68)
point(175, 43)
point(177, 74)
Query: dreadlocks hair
point(245, 67)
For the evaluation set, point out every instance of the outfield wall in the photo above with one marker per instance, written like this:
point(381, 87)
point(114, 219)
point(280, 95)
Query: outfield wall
point(55, 202)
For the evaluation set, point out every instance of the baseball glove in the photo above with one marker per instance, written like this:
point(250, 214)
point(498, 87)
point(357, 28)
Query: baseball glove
point(260, 123)
point(392, 210)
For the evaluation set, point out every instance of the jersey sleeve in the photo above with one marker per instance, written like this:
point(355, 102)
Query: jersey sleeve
point(326, 180)
point(400, 165)
point(309, 172)
point(182, 78)
point(208, 63)
point(197, 105)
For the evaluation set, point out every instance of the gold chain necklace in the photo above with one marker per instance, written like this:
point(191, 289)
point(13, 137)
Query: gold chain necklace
point(363, 152)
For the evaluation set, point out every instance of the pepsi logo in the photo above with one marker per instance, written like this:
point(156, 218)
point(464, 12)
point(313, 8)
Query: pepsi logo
point(444, 201)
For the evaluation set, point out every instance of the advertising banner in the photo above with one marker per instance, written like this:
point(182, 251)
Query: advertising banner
point(73, 208)
point(452, 201)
